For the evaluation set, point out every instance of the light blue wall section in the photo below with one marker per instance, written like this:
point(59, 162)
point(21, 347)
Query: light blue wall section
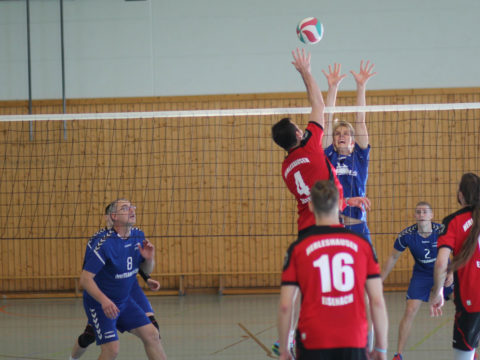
point(115, 48)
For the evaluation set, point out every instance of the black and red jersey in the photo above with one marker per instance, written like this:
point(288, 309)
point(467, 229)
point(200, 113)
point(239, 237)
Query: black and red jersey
point(303, 167)
point(330, 265)
point(457, 226)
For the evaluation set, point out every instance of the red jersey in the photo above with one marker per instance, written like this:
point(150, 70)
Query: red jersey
point(330, 265)
point(457, 226)
point(303, 167)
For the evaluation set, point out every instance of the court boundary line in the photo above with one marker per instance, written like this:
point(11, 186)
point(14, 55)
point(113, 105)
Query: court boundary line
point(254, 338)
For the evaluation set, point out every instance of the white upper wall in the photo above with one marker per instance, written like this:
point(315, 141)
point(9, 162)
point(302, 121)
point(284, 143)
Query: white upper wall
point(117, 48)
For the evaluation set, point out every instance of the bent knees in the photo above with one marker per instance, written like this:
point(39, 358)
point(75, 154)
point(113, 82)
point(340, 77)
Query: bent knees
point(412, 308)
point(110, 350)
point(147, 333)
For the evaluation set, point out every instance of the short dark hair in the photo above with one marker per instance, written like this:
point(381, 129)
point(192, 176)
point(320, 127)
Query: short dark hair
point(324, 195)
point(109, 209)
point(284, 133)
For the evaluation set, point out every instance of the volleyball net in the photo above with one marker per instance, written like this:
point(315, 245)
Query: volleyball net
point(207, 185)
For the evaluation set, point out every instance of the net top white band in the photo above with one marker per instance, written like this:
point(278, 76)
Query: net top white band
point(240, 112)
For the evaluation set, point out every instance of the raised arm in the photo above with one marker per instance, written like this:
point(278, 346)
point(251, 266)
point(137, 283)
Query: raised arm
point(390, 263)
point(302, 64)
point(333, 78)
point(361, 133)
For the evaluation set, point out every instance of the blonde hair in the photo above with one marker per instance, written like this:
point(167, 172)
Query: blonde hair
point(344, 123)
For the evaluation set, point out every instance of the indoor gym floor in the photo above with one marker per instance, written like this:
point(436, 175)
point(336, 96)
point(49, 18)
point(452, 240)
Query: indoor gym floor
point(195, 327)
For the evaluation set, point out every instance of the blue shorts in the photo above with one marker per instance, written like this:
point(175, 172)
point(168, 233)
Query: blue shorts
point(140, 298)
point(420, 287)
point(131, 317)
point(361, 229)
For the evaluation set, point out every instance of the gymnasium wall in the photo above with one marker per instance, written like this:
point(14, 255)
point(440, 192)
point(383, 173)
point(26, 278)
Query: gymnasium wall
point(117, 48)
point(208, 191)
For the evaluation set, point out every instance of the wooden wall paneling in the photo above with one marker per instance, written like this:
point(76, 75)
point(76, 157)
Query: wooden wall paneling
point(194, 246)
point(265, 246)
point(395, 139)
point(44, 211)
point(180, 256)
point(172, 263)
point(7, 192)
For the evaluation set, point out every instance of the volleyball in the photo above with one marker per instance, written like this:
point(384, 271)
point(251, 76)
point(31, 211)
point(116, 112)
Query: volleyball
point(310, 30)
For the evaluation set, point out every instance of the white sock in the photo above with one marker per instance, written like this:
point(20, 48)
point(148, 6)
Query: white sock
point(463, 355)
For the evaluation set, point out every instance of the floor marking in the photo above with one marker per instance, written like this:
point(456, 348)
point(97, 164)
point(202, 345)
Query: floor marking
point(23, 357)
point(229, 346)
point(245, 338)
point(426, 337)
point(267, 350)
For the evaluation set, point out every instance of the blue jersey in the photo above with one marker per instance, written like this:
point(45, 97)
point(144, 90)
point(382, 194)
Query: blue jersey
point(423, 250)
point(115, 262)
point(93, 240)
point(352, 172)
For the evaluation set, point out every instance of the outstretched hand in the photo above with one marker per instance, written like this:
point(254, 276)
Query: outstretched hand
point(301, 61)
point(333, 76)
point(147, 251)
point(365, 73)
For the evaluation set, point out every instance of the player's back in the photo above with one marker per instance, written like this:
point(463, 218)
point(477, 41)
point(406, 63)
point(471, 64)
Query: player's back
point(457, 228)
point(330, 265)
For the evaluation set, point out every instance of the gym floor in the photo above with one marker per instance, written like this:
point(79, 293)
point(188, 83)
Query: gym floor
point(195, 327)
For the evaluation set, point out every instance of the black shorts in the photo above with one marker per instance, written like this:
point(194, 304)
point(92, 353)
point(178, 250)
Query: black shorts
point(466, 330)
point(330, 354)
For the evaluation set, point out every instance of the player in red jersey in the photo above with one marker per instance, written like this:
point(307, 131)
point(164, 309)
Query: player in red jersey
point(332, 267)
point(306, 162)
point(461, 236)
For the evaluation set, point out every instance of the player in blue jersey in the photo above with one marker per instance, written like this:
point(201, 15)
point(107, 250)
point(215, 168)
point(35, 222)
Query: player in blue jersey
point(108, 276)
point(88, 336)
point(348, 149)
point(421, 239)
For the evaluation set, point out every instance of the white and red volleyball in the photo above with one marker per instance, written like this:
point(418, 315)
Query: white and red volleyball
point(310, 30)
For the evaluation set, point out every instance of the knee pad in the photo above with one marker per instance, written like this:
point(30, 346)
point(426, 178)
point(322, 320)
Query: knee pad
point(154, 322)
point(87, 338)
